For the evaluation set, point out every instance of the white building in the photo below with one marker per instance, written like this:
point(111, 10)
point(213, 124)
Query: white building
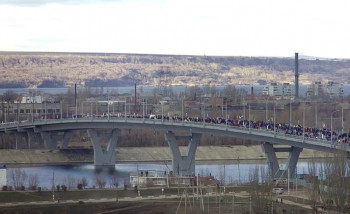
point(275, 89)
point(32, 99)
point(3, 181)
point(331, 89)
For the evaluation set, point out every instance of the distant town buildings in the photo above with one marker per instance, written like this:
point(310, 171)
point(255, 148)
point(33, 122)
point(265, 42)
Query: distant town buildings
point(279, 90)
point(331, 89)
point(26, 107)
point(31, 99)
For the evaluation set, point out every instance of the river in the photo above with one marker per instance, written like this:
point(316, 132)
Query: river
point(233, 172)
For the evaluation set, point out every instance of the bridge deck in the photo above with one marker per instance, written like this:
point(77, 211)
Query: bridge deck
point(260, 135)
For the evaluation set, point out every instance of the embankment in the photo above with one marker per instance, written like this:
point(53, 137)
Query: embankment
point(141, 154)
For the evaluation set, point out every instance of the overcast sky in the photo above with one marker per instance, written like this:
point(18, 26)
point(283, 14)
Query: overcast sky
point(200, 27)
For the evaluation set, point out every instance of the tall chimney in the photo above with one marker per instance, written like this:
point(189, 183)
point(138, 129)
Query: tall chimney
point(296, 76)
point(252, 92)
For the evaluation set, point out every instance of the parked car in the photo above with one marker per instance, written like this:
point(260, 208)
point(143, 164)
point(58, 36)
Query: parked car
point(278, 190)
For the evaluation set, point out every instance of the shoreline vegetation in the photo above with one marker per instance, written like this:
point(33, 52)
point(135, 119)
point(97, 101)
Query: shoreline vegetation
point(204, 155)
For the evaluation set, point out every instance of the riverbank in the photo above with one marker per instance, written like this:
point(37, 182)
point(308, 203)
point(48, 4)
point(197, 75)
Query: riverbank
point(143, 154)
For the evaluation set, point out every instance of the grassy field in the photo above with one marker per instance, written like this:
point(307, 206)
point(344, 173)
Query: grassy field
point(195, 205)
point(28, 196)
point(192, 206)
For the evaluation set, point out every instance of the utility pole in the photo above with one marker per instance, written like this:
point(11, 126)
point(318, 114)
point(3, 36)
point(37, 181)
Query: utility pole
point(182, 116)
point(125, 110)
point(82, 109)
point(271, 207)
point(143, 109)
point(290, 112)
point(274, 120)
point(316, 122)
point(249, 121)
point(250, 204)
point(342, 119)
point(208, 199)
point(32, 108)
point(45, 109)
point(243, 111)
point(288, 179)
point(61, 108)
point(75, 101)
point(296, 183)
point(53, 185)
point(233, 203)
point(266, 114)
point(226, 115)
point(304, 123)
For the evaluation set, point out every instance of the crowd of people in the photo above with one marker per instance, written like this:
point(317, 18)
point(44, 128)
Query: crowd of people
point(286, 128)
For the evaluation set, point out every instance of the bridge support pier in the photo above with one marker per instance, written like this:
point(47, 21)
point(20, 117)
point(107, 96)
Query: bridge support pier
point(31, 139)
point(50, 140)
point(19, 140)
point(34, 137)
point(183, 165)
point(104, 157)
point(291, 164)
point(66, 139)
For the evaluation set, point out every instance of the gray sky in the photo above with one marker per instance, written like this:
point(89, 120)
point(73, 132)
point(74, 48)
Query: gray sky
point(200, 27)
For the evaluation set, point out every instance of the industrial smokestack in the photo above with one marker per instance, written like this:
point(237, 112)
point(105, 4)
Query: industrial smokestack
point(296, 76)
point(252, 92)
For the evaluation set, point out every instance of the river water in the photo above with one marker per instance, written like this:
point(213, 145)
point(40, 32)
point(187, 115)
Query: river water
point(233, 172)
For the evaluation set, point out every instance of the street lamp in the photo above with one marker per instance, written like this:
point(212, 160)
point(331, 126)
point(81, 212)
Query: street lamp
point(332, 125)
point(249, 119)
point(182, 112)
point(266, 108)
point(162, 104)
point(274, 120)
point(290, 112)
point(342, 119)
point(304, 123)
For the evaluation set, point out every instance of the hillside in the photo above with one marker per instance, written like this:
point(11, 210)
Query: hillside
point(65, 69)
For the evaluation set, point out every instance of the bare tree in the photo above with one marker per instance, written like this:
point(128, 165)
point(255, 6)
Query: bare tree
point(100, 180)
point(70, 182)
point(18, 177)
point(313, 189)
point(33, 181)
point(260, 188)
point(113, 180)
point(335, 187)
point(84, 182)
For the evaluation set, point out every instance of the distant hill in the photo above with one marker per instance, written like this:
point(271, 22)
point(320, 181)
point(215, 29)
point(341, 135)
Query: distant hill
point(98, 69)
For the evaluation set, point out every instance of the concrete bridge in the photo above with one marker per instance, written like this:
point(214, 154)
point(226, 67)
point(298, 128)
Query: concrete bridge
point(49, 131)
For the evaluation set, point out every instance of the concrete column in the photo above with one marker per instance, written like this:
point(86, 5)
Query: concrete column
point(183, 165)
point(271, 159)
point(66, 139)
point(19, 140)
point(293, 160)
point(291, 163)
point(31, 139)
point(104, 157)
point(49, 139)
